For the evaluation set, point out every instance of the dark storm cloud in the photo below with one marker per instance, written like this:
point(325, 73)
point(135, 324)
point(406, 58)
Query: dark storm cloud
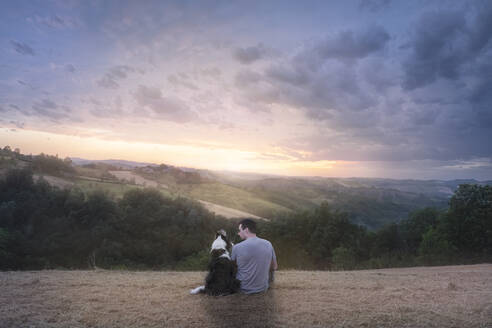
point(447, 45)
point(455, 49)
point(353, 45)
point(22, 48)
point(438, 49)
point(165, 108)
point(323, 77)
point(428, 100)
point(250, 54)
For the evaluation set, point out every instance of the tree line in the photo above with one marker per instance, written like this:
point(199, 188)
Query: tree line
point(44, 227)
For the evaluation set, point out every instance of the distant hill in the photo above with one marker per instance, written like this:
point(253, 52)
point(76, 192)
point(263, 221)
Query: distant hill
point(121, 163)
point(371, 202)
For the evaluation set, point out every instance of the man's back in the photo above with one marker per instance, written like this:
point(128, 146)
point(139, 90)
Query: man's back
point(253, 257)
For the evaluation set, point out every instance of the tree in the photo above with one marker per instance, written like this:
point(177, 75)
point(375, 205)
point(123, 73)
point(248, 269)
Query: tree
point(468, 223)
point(435, 248)
point(5, 255)
point(416, 225)
point(344, 258)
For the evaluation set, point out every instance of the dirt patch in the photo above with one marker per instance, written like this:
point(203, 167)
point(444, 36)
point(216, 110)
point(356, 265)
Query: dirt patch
point(455, 296)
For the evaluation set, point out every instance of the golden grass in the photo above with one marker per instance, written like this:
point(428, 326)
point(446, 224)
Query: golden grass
point(228, 213)
point(454, 296)
point(232, 197)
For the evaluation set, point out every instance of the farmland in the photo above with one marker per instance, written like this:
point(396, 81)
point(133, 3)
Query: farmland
point(451, 296)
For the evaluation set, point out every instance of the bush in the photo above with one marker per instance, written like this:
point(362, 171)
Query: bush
point(343, 259)
point(435, 249)
point(195, 262)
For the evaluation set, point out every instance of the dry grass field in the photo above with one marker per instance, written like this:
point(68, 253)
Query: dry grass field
point(453, 296)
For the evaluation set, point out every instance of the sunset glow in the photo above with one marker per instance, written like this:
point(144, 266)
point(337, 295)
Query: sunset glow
point(352, 88)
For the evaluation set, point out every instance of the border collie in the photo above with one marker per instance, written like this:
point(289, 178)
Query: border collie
point(221, 277)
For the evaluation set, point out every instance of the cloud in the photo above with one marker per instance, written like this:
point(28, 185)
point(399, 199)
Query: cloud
point(295, 75)
point(438, 49)
point(113, 75)
point(212, 72)
point(250, 54)
point(448, 45)
point(16, 108)
point(54, 21)
point(107, 108)
point(374, 5)
point(247, 77)
point(50, 109)
point(18, 124)
point(165, 108)
point(481, 29)
point(309, 83)
point(70, 68)
point(322, 77)
point(369, 100)
point(26, 84)
point(182, 79)
point(22, 48)
point(349, 44)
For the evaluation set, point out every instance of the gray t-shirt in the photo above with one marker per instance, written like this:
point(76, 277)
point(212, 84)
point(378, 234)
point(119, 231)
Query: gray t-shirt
point(253, 257)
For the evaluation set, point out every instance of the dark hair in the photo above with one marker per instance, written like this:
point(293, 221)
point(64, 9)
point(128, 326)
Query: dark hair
point(248, 223)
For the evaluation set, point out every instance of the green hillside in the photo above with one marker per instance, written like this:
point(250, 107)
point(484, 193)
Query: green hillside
point(372, 203)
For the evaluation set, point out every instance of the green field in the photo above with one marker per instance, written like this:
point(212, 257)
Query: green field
point(233, 197)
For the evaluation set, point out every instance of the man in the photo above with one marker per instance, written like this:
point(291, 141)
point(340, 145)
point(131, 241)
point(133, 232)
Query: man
point(255, 258)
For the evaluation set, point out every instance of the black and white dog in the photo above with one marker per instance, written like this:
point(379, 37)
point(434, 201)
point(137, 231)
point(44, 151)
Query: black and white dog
point(221, 277)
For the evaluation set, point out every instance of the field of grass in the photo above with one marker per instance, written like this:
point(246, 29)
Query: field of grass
point(116, 189)
point(453, 296)
point(227, 212)
point(233, 197)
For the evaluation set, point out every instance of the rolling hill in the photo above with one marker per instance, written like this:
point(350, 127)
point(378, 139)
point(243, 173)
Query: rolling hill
point(370, 202)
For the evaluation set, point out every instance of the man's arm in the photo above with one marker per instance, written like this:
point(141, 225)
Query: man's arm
point(273, 264)
point(273, 268)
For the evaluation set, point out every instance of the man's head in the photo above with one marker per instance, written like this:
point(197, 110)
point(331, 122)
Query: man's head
point(247, 228)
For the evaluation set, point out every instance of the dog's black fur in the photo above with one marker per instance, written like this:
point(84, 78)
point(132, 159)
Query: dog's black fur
point(221, 277)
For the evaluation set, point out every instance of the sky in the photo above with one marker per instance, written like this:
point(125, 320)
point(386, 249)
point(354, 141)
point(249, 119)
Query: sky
point(376, 88)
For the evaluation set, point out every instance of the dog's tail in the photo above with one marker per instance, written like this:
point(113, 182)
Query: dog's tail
point(200, 289)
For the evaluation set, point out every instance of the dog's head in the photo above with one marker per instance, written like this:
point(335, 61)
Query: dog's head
point(221, 244)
